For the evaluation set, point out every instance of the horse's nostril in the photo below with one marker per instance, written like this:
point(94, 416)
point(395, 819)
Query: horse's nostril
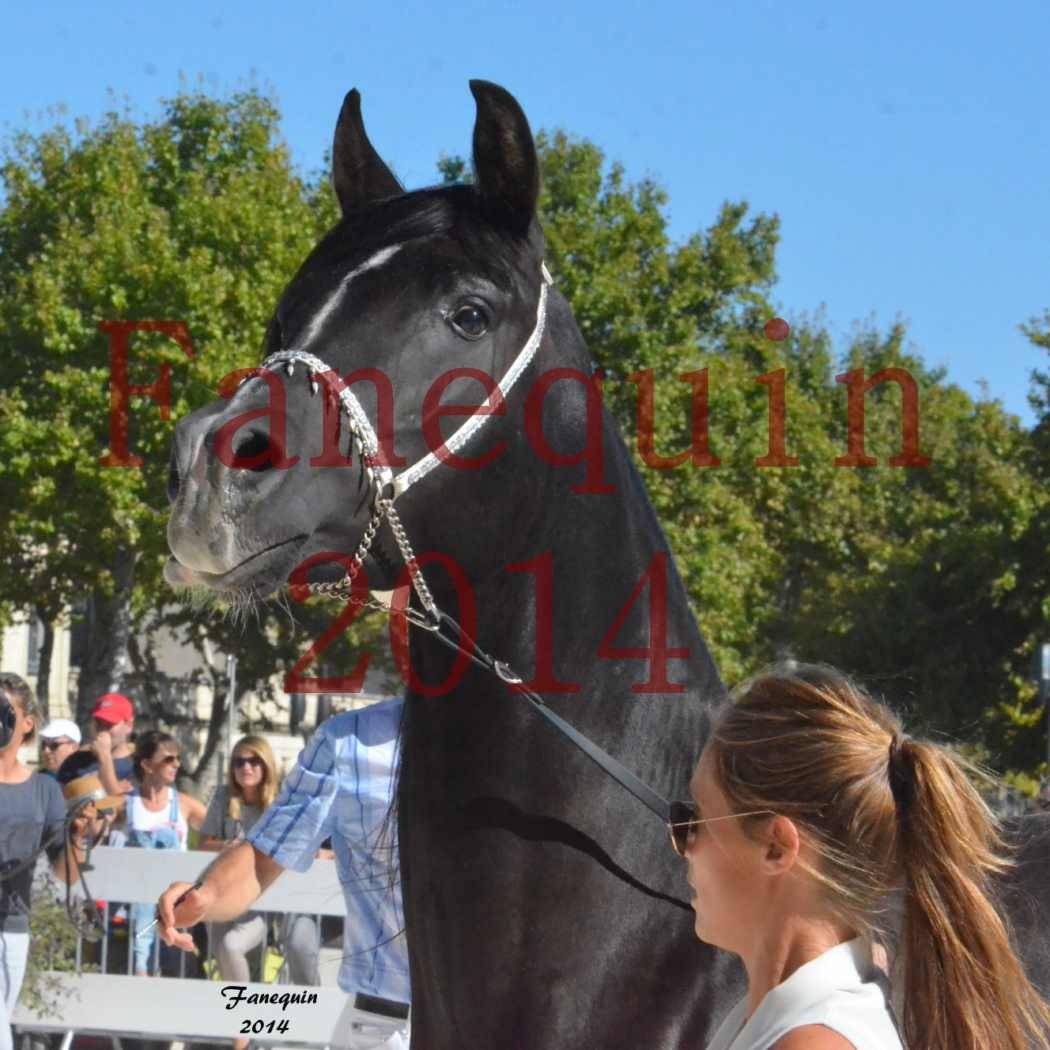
point(253, 452)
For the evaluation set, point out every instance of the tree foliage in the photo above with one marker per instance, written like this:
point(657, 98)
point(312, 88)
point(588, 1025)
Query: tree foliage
point(929, 582)
point(52, 951)
point(919, 579)
point(198, 217)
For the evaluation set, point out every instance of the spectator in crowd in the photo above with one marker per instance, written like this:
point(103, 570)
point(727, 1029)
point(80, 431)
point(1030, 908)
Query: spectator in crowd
point(251, 786)
point(94, 824)
point(97, 820)
point(342, 788)
point(158, 816)
point(58, 740)
point(32, 816)
point(108, 754)
point(114, 721)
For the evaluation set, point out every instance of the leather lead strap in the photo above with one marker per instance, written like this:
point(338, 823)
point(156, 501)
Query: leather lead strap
point(463, 643)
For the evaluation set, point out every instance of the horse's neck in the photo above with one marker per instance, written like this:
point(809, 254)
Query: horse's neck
point(508, 854)
point(552, 612)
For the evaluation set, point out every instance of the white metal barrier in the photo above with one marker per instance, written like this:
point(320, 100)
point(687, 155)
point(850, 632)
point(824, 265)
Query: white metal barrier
point(188, 1009)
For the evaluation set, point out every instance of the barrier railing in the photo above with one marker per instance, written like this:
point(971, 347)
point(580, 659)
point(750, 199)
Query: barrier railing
point(188, 1009)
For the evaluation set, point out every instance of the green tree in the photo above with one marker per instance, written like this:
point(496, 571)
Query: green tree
point(1034, 582)
point(198, 217)
point(52, 951)
point(909, 576)
point(929, 580)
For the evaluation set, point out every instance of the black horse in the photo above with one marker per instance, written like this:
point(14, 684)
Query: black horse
point(543, 904)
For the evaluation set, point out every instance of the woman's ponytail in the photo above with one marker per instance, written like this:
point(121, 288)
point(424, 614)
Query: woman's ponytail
point(883, 812)
point(965, 989)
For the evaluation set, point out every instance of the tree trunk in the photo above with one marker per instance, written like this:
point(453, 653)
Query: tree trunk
point(43, 674)
point(109, 626)
point(216, 725)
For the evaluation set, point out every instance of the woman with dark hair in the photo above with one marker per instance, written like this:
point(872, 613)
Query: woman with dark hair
point(810, 807)
point(32, 815)
point(158, 816)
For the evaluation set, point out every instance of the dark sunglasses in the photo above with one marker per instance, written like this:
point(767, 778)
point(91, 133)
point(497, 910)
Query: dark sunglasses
point(683, 819)
point(247, 760)
point(170, 760)
point(51, 745)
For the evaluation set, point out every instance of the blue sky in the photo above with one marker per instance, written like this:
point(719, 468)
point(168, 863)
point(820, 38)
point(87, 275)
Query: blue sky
point(903, 146)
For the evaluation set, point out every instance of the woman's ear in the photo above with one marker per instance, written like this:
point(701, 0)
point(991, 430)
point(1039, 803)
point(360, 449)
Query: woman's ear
point(782, 846)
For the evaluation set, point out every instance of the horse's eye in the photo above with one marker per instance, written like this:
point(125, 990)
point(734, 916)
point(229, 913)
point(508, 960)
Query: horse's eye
point(470, 321)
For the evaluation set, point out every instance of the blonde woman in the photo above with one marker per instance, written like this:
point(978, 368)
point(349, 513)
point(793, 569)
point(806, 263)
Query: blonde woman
point(251, 785)
point(810, 805)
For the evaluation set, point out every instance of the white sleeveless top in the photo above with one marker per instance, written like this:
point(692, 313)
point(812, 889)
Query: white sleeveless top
point(841, 989)
point(141, 819)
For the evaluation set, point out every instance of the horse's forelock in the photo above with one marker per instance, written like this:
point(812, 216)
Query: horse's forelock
point(451, 212)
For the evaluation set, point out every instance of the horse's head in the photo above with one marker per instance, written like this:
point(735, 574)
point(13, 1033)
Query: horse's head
point(408, 285)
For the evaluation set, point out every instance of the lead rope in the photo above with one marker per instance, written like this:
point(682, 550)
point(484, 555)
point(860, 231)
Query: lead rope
point(462, 643)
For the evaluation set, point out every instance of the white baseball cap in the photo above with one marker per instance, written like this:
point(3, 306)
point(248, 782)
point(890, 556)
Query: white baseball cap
point(61, 727)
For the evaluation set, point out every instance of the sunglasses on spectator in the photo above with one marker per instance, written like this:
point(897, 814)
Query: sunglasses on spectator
point(170, 760)
point(247, 760)
point(684, 819)
point(50, 745)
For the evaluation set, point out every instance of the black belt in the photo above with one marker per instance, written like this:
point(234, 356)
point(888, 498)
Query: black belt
point(374, 1004)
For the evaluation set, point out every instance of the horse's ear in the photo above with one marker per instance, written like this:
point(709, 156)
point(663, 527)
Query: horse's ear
point(359, 175)
point(506, 170)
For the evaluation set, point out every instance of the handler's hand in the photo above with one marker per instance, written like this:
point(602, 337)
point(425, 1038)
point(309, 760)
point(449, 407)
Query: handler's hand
point(188, 913)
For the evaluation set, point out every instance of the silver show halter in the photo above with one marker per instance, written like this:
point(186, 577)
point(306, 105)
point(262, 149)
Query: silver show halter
point(386, 488)
point(385, 485)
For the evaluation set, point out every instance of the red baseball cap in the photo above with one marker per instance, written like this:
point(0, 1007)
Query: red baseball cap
point(113, 708)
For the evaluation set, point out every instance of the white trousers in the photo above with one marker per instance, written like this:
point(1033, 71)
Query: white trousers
point(14, 950)
point(366, 1038)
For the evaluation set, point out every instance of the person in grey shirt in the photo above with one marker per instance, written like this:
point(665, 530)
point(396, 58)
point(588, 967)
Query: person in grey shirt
point(32, 815)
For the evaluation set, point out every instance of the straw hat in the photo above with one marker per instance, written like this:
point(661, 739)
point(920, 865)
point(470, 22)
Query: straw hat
point(90, 786)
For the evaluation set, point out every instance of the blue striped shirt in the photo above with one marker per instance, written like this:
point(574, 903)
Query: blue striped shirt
point(342, 787)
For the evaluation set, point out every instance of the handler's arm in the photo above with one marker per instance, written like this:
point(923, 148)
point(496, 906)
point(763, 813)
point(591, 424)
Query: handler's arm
point(232, 883)
point(287, 835)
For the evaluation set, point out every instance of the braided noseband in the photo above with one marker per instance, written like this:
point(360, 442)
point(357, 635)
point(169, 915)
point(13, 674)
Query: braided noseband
point(385, 486)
